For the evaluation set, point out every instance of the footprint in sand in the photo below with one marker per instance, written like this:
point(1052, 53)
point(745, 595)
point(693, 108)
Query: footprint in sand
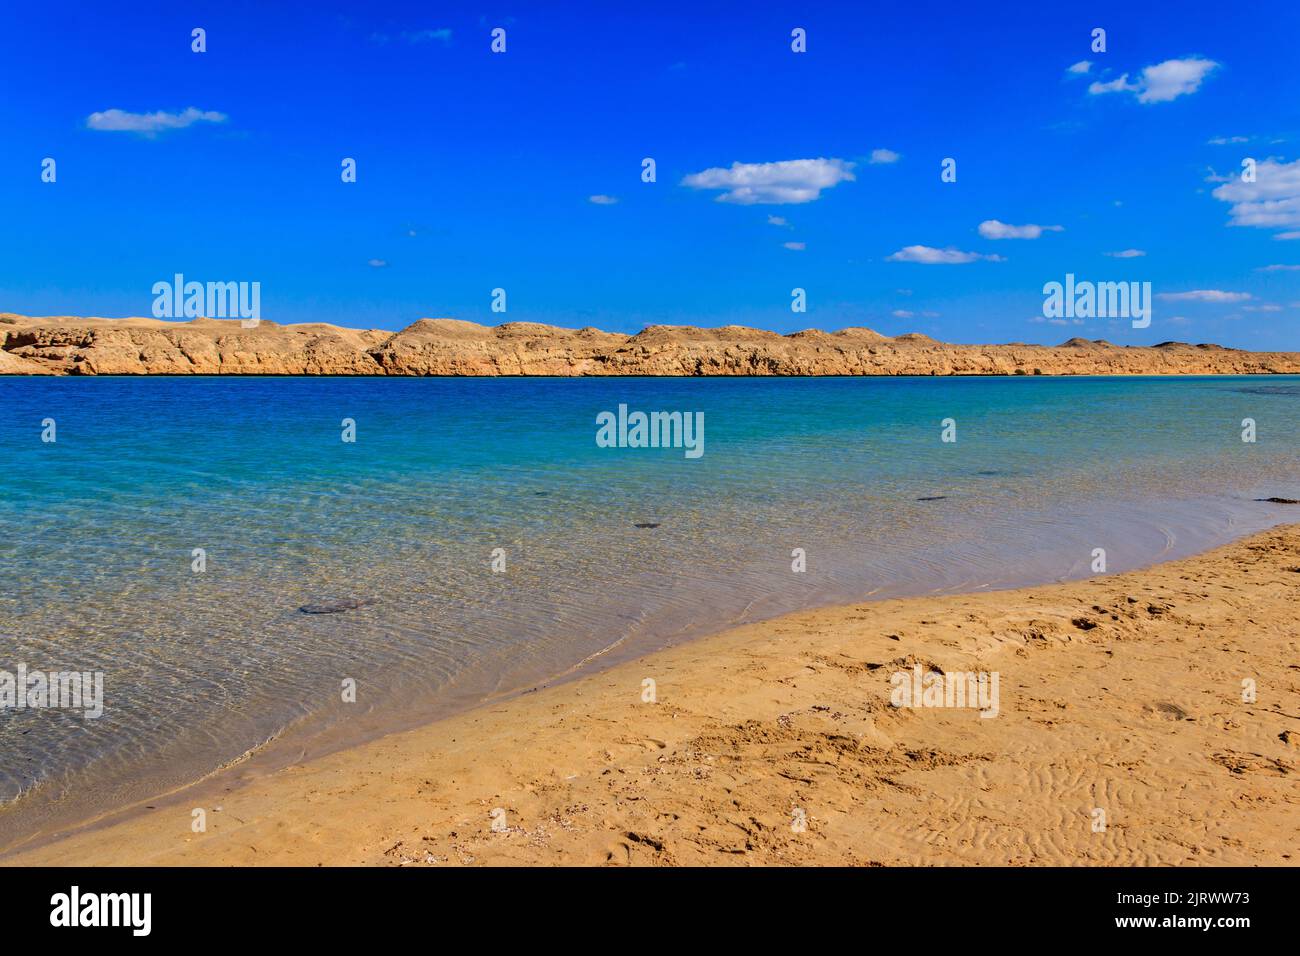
point(1167, 711)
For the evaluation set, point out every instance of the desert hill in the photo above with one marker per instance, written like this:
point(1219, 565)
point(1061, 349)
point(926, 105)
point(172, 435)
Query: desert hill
point(68, 345)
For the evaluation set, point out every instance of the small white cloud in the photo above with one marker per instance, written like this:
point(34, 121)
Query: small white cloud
point(1226, 140)
point(424, 36)
point(902, 314)
point(1204, 295)
point(377, 263)
point(1279, 268)
point(788, 181)
point(602, 200)
point(882, 156)
point(992, 229)
point(1173, 78)
point(1162, 82)
point(1125, 254)
point(1120, 85)
point(796, 246)
point(1078, 69)
point(1288, 235)
point(150, 124)
point(1265, 307)
point(928, 255)
point(1272, 201)
point(777, 221)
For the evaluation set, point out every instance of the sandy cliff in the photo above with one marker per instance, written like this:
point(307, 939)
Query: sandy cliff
point(68, 345)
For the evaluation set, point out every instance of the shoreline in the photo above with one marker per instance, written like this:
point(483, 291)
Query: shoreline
point(316, 735)
point(793, 713)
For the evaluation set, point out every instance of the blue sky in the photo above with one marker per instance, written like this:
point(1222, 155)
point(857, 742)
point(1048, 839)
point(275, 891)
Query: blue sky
point(477, 170)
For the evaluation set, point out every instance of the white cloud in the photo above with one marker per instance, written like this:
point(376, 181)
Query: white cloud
point(1272, 201)
point(1162, 82)
point(1083, 66)
point(423, 36)
point(1226, 140)
point(149, 124)
point(992, 229)
point(415, 36)
point(377, 263)
point(1288, 235)
point(777, 221)
point(927, 255)
point(1279, 268)
point(789, 181)
point(1204, 295)
point(796, 246)
point(881, 156)
point(1173, 78)
point(902, 314)
point(602, 200)
point(1266, 307)
point(1125, 254)
point(1120, 85)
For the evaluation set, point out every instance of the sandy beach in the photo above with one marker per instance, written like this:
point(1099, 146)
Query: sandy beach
point(1126, 734)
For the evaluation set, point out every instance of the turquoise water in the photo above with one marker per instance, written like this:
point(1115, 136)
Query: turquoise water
point(97, 531)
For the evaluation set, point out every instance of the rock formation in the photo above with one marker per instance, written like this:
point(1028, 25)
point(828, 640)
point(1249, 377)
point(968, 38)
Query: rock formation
point(93, 346)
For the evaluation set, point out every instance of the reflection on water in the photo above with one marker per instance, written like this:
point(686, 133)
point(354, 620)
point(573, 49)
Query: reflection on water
point(604, 549)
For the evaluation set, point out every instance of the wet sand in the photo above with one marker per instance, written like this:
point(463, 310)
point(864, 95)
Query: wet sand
point(1121, 738)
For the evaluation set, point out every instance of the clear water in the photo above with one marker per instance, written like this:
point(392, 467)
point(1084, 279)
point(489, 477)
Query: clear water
point(97, 530)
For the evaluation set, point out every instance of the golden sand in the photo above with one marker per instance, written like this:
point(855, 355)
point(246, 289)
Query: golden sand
point(1126, 735)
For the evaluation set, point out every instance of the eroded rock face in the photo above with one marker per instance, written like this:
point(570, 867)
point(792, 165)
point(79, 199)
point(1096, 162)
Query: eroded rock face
point(92, 346)
point(202, 347)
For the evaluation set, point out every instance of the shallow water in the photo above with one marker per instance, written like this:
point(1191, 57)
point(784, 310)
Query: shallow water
point(97, 531)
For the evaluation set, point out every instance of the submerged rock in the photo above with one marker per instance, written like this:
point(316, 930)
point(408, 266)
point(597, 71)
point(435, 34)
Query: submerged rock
point(336, 607)
point(648, 524)
point(1280, 501)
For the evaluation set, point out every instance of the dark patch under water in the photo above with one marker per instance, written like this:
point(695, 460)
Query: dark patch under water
point(1269, 390)
point(336, 607)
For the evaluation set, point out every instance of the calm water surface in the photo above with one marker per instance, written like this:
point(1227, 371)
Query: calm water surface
point(98, 528)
